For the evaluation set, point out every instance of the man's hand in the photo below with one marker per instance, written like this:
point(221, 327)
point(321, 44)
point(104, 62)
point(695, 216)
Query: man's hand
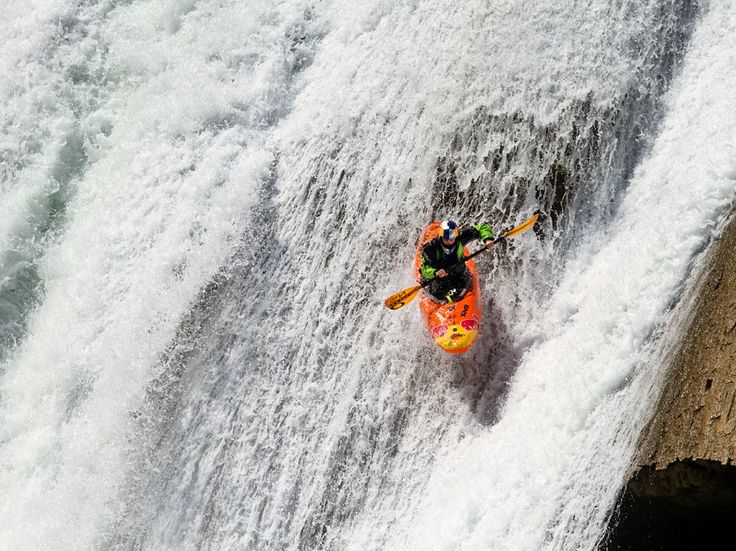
point(441, 273)
point(489, 244)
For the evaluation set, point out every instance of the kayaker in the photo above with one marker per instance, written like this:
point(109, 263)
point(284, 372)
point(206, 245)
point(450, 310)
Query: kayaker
point(450, 284)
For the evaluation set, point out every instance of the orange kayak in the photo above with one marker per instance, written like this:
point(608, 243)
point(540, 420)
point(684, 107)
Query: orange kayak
point(454, 326)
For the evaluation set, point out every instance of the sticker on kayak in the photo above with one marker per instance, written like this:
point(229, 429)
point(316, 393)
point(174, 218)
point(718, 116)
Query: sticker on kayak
point(439, 331)
point(456, 336)
point(469, 325)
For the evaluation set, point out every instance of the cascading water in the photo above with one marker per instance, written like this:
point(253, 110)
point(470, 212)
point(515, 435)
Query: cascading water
point(204, 204)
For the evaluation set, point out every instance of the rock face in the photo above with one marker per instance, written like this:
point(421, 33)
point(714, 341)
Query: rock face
point(682, 493)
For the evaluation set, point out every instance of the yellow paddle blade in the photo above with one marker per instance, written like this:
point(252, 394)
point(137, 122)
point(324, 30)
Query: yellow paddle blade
point(397, 300)
point(521, 227)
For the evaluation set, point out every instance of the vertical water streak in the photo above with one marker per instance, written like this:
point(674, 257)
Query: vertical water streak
point(177, 149)
point(52, 65)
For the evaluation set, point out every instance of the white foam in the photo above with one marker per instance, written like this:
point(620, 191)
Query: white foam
point(178, 150)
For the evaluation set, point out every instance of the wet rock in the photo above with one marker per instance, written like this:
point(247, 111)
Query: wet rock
point(682, 492)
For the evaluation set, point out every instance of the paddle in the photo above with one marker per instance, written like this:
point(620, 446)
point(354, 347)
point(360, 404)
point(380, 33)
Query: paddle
point(402, 298)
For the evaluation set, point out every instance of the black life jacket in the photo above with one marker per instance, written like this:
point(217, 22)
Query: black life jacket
point(435, 255)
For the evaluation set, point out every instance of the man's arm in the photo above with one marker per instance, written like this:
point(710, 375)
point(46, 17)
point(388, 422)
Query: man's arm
point(479, 231)
point(426, 270)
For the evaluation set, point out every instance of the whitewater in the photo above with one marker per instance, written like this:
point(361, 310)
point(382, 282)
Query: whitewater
point(203, 205)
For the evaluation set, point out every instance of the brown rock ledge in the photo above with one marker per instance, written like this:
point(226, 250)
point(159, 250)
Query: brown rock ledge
point(682, 492)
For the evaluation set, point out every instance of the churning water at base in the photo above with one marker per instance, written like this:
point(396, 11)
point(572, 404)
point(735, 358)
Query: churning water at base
point(205, 203)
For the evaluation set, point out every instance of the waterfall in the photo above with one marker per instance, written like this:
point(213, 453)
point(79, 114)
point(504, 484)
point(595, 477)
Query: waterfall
point(205, 203)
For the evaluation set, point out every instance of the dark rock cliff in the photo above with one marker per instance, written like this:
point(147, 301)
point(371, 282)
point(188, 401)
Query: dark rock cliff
point(682, 492)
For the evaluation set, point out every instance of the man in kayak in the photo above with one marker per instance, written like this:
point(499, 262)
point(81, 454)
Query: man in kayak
point(440, 254)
